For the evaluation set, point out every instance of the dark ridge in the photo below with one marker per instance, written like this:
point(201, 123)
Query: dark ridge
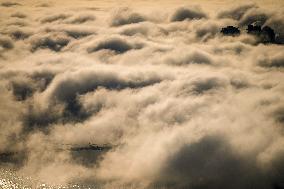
point(88, 155)
point(92, 147)
point(253, 29)
point(231, 31)
point(268, 35)
point(265, 34)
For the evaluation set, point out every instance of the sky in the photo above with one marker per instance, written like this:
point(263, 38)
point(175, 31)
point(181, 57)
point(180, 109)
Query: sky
point(172, 102)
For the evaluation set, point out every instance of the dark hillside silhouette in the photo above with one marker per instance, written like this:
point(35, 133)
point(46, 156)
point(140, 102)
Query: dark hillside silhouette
point(230, 31)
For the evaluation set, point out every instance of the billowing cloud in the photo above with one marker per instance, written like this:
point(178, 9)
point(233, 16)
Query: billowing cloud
point(256, 15)
point(184, 13)
point(126, 16)
point(79, 19)
point(56, 17)
point(140, 97)
point(236, 12)
point(18, 33)
point(117, 45)
point(9, 4)
point(272, 61)
point(75, 32)
point(54, 41)
point(19, 15)
point(190, 57)
point(6, 43)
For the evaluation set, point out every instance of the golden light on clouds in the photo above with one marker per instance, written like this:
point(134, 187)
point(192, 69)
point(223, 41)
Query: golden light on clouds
point(141, 94)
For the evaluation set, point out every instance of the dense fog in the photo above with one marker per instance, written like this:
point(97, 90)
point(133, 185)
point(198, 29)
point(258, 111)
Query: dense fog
point(177, 103)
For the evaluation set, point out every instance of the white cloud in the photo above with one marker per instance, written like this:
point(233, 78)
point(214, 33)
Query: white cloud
point(178, 104)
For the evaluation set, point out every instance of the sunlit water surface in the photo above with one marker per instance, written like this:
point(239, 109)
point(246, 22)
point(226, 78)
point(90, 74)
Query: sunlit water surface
point(9, 179)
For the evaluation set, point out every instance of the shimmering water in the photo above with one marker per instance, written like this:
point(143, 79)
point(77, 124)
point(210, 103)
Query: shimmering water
point(9, 179)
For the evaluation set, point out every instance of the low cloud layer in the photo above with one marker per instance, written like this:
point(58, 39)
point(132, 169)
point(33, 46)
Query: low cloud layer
point(184, 13)
point(125, 16)
point(141, 98)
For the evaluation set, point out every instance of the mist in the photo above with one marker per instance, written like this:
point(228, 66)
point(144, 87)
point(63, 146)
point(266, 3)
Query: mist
point(142, 95)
